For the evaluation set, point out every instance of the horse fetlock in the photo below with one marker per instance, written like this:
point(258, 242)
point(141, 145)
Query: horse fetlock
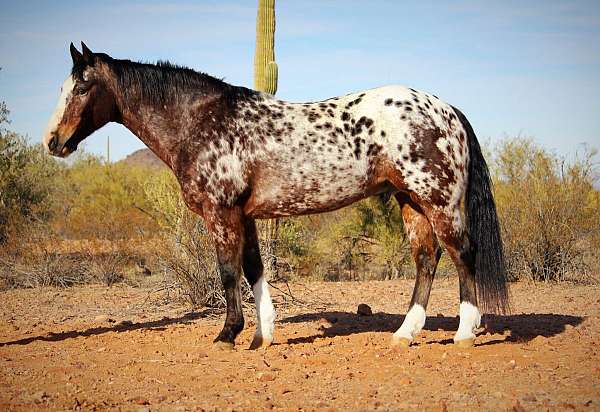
point(413, 323)
point(260, 341)
point(223, 346)
point(400, 341)
point(470, 319)
point(465, 343)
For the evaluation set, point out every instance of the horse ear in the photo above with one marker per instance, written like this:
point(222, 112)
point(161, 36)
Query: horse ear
point(75, 54)
point(88, 55)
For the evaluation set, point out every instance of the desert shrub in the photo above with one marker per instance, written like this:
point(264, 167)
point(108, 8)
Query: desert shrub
point(31, 260)
point(44, 203)
point(27, 178)
point(40, 258)
point(108, 263)
point(103, 201)
point(548, 210)
point(363, 241)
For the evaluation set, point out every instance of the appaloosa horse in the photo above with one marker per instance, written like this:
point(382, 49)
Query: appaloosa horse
point(239, 155)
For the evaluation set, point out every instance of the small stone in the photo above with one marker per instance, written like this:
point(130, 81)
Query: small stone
point(125, 323)
point(517, 407)
point(364, 310)
point(138, 400)
point(103, 319)
point(39, 397)
point(266, 377)
point(404, 381)
point(323, 323)
point(529, 398)
point(512, 364)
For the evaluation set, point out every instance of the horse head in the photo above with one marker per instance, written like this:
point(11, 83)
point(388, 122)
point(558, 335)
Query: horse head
point(86, 103)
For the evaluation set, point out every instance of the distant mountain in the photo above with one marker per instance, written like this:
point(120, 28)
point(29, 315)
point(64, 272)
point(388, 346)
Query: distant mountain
point(144, 157)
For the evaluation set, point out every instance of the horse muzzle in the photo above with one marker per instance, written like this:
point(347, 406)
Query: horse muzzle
point(60, 149)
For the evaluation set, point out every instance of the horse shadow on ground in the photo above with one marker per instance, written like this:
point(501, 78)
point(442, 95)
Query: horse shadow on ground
point(522, 327)
point(155, 325)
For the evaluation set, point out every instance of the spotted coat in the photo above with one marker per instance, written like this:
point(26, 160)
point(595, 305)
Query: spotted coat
point(240, 155)
point(280, 159)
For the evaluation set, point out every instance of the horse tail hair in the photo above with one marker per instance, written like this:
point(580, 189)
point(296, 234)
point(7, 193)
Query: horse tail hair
point(484, 230)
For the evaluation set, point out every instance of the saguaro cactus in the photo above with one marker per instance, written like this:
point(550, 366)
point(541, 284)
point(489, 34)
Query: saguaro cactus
point(265, 80)
point(265, 68)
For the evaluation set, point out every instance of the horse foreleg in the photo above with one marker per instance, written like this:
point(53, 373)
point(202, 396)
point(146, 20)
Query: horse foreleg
point(253, 270)
point(426, 254)
point(227, 229)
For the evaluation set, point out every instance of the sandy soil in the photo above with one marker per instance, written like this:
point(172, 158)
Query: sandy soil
point(122, 348)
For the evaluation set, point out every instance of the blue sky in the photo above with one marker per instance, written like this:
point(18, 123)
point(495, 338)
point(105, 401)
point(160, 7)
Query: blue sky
point(528, 68)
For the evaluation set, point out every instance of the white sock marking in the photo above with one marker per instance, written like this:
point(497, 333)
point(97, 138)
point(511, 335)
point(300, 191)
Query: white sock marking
point(265, 312)
point(470, 319)
point(413, 323)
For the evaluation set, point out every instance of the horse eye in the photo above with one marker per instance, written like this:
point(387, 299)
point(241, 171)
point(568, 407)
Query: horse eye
point(81, 90)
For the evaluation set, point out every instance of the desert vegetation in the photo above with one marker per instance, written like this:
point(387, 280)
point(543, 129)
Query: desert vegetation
point(86, 220)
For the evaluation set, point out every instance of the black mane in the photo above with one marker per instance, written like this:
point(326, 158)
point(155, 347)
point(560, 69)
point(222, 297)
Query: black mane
point(163, 82)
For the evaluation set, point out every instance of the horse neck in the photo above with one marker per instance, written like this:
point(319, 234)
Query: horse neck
point(161, 126)
point(157, 126)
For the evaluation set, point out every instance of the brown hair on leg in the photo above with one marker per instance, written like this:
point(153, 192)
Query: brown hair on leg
point(227, 229)
point(426, 254)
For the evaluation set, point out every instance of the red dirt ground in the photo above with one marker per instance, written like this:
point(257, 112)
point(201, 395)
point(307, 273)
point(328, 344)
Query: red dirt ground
point(124, 348)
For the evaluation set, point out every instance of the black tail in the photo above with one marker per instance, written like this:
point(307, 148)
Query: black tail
point(484, 230)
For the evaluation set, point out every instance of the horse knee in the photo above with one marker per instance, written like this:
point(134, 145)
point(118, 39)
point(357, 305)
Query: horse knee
point(229, 276)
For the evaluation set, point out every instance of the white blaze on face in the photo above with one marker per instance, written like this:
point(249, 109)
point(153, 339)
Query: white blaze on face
point(65, 95)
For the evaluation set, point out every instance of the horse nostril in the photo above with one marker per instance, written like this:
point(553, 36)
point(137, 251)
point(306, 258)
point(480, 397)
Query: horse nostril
point(53, 143)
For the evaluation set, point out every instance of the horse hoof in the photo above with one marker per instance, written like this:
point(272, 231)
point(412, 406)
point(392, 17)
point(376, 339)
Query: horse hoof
point(465, 343)
point(398, 342)
point(260, 342)
point(223, 346)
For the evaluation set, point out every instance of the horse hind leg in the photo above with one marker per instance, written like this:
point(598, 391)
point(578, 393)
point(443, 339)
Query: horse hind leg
point(253, 270)
point(450, 228)
point(426, 254)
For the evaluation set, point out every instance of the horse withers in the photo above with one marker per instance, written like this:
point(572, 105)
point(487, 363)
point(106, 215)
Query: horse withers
point(241, 155)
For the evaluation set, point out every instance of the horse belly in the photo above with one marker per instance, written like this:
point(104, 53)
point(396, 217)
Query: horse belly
point(281, 194)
